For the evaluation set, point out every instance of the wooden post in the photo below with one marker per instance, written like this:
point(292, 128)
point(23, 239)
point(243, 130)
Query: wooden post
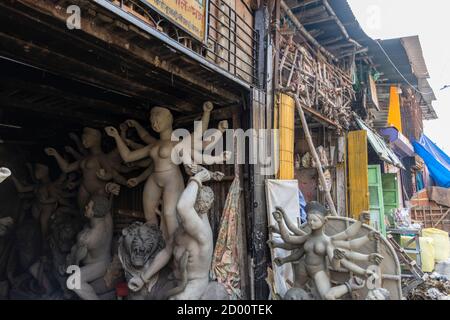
point(315, 156)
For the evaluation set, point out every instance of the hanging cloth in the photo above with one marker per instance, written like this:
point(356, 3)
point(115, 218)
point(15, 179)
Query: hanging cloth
point(225, 264)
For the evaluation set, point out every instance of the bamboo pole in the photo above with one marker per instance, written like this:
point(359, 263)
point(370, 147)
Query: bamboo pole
point(315, 156)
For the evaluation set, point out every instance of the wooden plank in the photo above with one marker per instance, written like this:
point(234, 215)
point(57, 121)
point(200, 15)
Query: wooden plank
point(358, 173)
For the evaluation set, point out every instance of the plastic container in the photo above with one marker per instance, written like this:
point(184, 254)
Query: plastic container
point(441, 243)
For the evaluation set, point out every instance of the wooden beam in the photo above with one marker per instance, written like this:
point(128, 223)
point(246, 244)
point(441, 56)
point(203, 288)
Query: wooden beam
point(144, 55)
point(77, 100)
point(70, 67)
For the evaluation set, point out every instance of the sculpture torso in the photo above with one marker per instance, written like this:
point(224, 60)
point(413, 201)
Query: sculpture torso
point(97, 240)
point(89, 167)
point(160, 153)
point(200, 254)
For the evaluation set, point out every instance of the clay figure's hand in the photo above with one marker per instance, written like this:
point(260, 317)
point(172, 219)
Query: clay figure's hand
point(278, 261)
point(133, 182)
point(373, 235)
point(135, 284)
point(338, 254)
point(132, 123)
point(112, 132)
point(271, 244)
point(208, 106)
point(217, 176)
point(277, 215)
point(203, 175)
point(51, 152)
point(375, 258)
point(112, 188)
point(192, 169)
point(223, 125)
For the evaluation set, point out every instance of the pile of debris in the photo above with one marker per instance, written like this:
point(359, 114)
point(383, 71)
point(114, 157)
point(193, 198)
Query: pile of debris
point(434, 287)
point(321, 86)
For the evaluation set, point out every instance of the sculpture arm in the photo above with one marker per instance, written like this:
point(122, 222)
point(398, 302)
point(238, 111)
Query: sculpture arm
point(64, 165)
point(143, 134)
point(288, 238)
point(80, 147)
point(130, 156)
point(161, 259)
point(189, 218)
point(352, 244)
point(73, 153)
point(21, 188)
point(350, 266)
point(291, 226)
point(212, 140)
point(294, 257)
point(349, 232)
point(143, 176)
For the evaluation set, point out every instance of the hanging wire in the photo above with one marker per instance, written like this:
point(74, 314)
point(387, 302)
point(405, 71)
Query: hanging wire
point(395, 67)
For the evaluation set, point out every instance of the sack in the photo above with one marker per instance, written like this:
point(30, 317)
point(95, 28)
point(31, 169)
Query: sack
point(441, 243)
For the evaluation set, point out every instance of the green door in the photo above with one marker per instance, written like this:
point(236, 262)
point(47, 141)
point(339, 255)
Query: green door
point(390, 195)
point(376, 204)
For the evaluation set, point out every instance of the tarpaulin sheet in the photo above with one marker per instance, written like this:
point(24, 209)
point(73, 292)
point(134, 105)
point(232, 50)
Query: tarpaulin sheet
point(284, 194)
point(436, 160)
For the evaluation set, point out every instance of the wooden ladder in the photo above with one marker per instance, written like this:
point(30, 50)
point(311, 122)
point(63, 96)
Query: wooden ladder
point(411, 264)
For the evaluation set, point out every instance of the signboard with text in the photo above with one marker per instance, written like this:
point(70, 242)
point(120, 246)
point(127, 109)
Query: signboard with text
point(189, 15)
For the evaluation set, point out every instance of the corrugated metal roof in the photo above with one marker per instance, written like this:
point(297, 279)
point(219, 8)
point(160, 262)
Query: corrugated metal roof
point(381, 148)
point(406, 54)
point(415, 54)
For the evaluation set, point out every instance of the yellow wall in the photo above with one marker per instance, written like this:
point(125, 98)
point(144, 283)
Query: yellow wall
point(286, 127)
point(394, 116)
point(358, 173)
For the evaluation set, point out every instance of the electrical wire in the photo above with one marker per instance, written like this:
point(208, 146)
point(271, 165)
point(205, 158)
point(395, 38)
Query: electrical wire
point(395, 67)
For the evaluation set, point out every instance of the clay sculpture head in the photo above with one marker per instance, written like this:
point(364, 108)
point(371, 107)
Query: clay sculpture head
point(41, 171)
point(97, 207)
point(317, 215)
point(161, 119)
point(91, 138)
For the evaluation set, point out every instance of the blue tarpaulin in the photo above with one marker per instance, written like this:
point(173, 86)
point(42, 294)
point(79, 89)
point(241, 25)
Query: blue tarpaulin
point(436, 160)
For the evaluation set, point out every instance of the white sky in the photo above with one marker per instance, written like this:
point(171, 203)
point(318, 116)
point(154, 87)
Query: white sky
point(385, 19)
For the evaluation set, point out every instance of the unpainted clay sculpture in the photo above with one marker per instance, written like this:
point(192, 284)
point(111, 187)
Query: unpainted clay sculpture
point(92, 252)
point(96, 167)
point(193, 246)
point(49, 194)
point(166, 181)
point(138, 247)
point(319, 252)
